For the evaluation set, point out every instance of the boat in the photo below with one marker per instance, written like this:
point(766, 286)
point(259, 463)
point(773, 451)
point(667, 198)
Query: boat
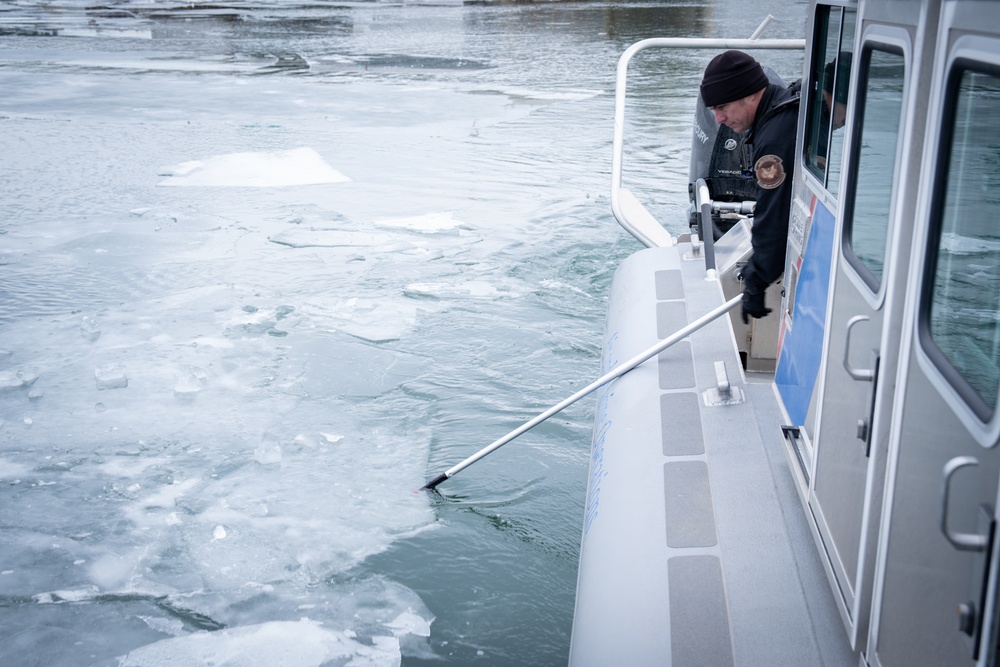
point(819, 486)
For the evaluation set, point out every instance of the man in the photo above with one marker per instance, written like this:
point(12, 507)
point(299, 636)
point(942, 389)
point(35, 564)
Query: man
point(737, 90)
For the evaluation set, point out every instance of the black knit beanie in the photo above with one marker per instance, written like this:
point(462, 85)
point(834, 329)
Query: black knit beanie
point(731, 76)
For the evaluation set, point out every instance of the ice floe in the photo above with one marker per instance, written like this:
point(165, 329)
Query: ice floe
point(300, 643)
point(428, 223)
point(16, 379)
point(299, 166)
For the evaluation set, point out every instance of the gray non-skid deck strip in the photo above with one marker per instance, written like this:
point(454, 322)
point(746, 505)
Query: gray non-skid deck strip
point(688, 498)
point(699, 623)
point(675, 363)
point(669, 285)
point(676, 367)
point(671, 316)
point(680, 422)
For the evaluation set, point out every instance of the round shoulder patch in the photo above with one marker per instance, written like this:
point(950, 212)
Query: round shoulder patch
point(770, 172)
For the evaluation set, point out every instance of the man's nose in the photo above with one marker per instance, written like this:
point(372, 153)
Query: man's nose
point(719, 116)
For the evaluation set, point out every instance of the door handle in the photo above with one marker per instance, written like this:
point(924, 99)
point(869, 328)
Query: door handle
point(961, 541)
point(861, 375)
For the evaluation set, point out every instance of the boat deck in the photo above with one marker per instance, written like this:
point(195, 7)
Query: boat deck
point(696, 550)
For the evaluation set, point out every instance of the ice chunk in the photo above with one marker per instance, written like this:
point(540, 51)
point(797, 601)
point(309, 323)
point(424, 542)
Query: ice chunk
point(9, 380)
point(12, 470)
point(219, 533)
point(300, 166)
point(206, 341)
point(113, 570)
point(89, 329)
point(16, 379)
point(186, 385)
point(55, 597)
point(168, 626)
point(268, 452)
point(189, 383)
point(428, 223)
point(304, 643)
point(311, 441)
point(111, 376)
point(409, 623)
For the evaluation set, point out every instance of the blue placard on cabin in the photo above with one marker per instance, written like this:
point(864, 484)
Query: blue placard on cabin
point(802, 350)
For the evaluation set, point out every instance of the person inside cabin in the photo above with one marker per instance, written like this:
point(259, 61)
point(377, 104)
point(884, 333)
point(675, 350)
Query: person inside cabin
point(835, 99)
point(839, 74)
point(737, 90)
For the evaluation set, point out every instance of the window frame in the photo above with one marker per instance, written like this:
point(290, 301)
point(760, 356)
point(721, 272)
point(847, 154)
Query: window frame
point(874, 284)
point(813, 95)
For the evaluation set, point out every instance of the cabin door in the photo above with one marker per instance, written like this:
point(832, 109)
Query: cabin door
point(863, 331)
point(936, 584)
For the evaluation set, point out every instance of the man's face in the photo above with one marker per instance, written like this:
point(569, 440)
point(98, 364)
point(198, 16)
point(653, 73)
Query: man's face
point(839, 111)
point(738, 115)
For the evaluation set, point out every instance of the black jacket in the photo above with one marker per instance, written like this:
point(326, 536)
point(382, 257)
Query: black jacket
point(772, 140)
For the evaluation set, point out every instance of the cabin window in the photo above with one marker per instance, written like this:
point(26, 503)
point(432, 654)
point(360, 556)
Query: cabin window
point(866, 211)
point(827, 98)
point(961, 305)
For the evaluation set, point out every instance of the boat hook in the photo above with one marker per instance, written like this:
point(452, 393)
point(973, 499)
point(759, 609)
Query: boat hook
point(617, 372)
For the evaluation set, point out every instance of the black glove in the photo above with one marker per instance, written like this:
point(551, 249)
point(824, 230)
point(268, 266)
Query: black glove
point(753, 306)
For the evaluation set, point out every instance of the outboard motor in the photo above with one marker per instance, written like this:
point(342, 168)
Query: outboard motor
point(719, 156)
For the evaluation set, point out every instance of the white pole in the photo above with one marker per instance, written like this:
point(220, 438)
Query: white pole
point(596, 384)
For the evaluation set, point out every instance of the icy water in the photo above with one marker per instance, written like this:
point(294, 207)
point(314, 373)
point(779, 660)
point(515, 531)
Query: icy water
point(266, 268)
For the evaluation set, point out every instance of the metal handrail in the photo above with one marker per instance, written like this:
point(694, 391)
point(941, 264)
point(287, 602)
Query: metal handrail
point(642, 225)
point(703, 204)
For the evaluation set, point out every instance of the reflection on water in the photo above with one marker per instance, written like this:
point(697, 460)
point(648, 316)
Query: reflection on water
point(878, 139)
point(265, 270)
point(964, 322)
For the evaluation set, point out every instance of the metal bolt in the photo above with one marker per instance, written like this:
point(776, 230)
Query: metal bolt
point(967, 618)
